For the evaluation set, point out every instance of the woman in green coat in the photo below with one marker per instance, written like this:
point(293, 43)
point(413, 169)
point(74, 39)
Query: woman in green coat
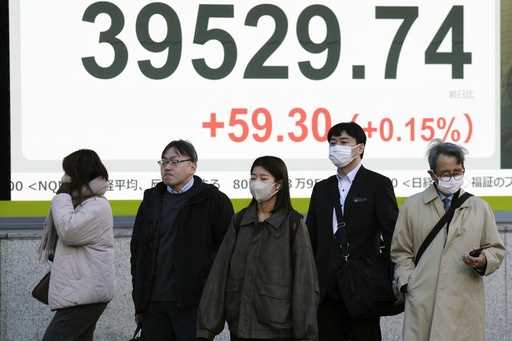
point(263, 281)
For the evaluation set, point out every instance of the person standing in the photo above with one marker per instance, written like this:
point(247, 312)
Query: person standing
point(350, 215)
point(442, 279)
point(263, 281)
point(179, 226)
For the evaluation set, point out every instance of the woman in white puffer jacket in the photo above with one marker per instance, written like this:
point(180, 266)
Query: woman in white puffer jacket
point(79, 237)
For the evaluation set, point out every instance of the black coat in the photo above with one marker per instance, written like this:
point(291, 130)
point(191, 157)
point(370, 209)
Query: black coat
point(200, 227)
point(370, 211)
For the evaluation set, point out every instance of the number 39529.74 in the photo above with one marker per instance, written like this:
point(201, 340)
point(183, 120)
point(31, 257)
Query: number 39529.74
point(256, 67)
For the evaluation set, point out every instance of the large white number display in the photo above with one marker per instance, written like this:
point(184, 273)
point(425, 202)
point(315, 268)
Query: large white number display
point(241, 79)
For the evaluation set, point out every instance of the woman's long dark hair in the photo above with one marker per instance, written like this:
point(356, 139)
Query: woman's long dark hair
point(83, 166)
point(277, 168)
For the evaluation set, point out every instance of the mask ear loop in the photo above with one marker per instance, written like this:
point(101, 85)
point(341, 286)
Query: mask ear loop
point(433, 176)
point(278, 188)
point(356, 146)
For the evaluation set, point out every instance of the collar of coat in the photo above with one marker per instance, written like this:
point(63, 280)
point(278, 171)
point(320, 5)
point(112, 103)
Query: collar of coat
point(430, 194)
point(201, 194)
point(273, 222)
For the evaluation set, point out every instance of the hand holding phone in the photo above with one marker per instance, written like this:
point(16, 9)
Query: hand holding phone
point(476, 252)
point(476, 259)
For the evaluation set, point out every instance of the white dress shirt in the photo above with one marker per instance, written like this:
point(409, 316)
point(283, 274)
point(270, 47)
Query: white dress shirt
point(185, 188)
point(344, 184)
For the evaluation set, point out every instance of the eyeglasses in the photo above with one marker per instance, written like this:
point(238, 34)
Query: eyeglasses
point(456, 177)
point(174, 163)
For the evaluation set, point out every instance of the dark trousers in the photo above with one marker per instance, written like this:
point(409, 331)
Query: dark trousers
point(335, 324)
point(75, 323)
point(236, 338)
point(166, 322)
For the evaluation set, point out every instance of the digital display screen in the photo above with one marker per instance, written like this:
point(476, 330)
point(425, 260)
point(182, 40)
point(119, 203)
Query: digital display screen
point(249, 78)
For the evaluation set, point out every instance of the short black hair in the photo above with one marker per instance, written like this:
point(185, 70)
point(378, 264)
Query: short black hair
point(277, 168)
point(351, 128)
point(183, 147)
point(83, 166)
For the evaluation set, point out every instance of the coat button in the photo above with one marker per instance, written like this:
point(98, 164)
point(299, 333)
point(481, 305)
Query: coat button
point(342, 224)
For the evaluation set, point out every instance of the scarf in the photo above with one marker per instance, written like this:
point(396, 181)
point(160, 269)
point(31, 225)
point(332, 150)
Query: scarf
point(96, 187)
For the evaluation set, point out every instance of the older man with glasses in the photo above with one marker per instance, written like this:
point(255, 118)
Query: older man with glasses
point(179, 226)
point(444, 242)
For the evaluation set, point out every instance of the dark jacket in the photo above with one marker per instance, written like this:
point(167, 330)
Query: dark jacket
point(200, 227)
point(262, 283)
point(370, 211)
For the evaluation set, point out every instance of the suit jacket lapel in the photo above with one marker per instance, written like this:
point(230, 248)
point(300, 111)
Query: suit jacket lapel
point(333, 191)
point(355, 189)
point(332, 197)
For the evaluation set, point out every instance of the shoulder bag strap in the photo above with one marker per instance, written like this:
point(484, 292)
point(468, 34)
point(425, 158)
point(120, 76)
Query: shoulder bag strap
point(445, 220)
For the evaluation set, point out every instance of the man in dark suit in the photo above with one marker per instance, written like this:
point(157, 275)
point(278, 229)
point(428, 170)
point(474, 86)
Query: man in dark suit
point(350, 214)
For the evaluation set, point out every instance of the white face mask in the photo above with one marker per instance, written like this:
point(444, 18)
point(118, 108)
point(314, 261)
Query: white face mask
point(262, 190)
point(341, 155)
point(451, 186)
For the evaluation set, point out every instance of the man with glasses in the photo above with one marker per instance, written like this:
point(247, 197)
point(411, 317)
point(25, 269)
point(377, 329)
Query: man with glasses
point(179, 226)
point(439, 270)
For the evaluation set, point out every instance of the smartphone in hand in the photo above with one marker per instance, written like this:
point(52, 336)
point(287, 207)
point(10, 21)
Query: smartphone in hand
point(476, 252)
